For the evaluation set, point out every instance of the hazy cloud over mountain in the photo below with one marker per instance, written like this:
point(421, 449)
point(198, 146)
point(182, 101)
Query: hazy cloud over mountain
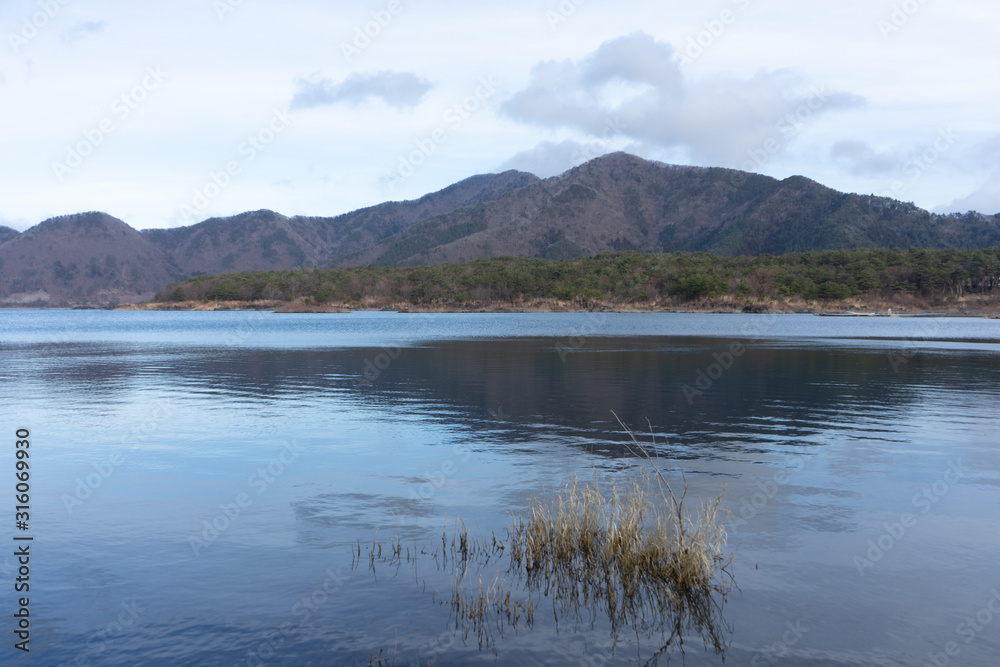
point(633, 86)
point(862, 159)
point(987, 154)
point(402, 90)
point(552, 158)
point(984, 200)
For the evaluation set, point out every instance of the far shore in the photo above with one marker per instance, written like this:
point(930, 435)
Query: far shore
point(907, 306)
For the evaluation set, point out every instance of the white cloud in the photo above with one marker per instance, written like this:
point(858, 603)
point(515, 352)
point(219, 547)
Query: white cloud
point(548, 158)
point(985, 200)
point(721, 120)
point(82, 29)
point(859, 157)
point(986, 154)
point(402, 90)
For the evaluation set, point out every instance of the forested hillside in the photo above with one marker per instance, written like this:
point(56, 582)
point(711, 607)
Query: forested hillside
point(622, 278)
point(621, 202)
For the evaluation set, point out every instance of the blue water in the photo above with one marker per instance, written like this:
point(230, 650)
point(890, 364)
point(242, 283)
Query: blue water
point(301, 436)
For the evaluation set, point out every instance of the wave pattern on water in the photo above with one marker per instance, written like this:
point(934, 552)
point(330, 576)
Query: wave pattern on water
point(819, 440)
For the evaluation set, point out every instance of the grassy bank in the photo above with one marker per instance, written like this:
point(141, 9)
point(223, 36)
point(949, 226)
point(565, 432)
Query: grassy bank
point(906, 281)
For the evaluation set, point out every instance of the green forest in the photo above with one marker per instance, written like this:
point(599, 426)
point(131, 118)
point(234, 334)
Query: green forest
point(620, 278)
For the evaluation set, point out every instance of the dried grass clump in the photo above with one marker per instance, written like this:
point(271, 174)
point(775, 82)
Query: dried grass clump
point(629, 551)
point(625, 532)
point(489, 610)
point(633, 550)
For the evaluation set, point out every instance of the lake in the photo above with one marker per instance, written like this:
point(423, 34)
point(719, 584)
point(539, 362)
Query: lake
point(207, 488)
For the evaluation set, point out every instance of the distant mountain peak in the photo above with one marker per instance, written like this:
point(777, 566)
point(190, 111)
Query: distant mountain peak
point(87, 218)
point(614, 202)
point(87, 257)
point(621, 201)
point(7, 233)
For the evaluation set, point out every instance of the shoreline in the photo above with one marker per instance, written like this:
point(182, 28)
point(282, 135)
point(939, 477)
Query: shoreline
point(975, 307)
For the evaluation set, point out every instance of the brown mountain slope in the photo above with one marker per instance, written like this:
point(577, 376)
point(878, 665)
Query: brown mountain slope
point(84, 258)
point(259, 240)
point(264, 240)
point(622, 202)
point(95, 259)
point(351, 232)
point(6, 234)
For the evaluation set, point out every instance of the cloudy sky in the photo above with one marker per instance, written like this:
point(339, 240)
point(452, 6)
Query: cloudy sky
point(166, 113)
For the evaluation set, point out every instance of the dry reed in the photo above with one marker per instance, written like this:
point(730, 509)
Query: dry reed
point(631, 551)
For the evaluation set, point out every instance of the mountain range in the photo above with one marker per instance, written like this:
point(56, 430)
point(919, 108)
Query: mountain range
point(613, 203)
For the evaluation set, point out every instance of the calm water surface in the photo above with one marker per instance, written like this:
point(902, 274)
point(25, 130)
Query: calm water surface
point(859, 457)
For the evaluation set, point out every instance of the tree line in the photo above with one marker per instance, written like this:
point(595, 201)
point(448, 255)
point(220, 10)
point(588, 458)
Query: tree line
point(620, 277)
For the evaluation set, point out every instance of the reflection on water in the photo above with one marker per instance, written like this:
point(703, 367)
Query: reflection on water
point(819, 443)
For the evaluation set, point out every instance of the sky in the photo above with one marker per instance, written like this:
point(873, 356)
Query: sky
point(167, 113)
